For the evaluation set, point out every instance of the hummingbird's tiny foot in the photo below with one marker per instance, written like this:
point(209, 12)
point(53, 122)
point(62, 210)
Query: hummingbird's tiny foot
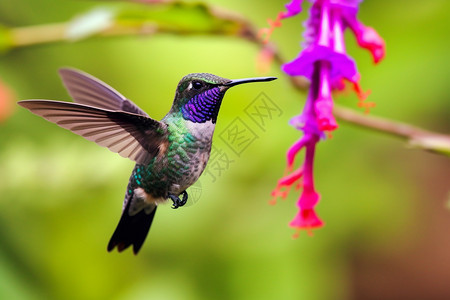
point(177, 202)
point(185, 198)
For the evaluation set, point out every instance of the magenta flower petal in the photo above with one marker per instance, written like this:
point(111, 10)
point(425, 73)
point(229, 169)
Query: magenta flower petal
point(294, 149)
point(297, 122)
point(291, 178)
point(306, 219)
point(293, 8)
point(341, 64)
point(303, 122)
point(370, 40)
point(308, 199)
point(366, 37)
point(324, 103)
point(325, 118)
point(346, 4)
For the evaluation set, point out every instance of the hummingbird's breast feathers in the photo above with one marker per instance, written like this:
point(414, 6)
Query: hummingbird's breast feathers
point(186, 153)
point(187, 133)
point(201, 131)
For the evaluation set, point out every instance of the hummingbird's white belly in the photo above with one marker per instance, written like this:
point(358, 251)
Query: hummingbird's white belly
point(198, 164)
point(201, 131)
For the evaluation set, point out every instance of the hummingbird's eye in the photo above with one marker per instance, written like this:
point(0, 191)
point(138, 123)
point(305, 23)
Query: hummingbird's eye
point(197, 85)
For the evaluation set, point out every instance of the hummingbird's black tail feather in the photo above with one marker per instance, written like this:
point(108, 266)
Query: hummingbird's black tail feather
point(131, 230)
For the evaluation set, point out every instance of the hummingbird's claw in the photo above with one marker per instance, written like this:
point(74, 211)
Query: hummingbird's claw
point(177, 202)
point(185, 198)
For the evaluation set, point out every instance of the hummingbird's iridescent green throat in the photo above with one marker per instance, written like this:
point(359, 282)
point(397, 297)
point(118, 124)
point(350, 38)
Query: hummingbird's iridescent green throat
point(170, 154)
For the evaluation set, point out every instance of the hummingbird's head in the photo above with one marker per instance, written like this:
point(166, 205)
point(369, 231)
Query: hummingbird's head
point(199, 95)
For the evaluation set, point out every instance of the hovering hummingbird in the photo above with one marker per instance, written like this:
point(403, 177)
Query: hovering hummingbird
point(170, 154)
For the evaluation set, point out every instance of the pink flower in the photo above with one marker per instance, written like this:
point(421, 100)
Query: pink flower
point(325, 62)
point(306, 219)
point(293, 8)
point(303, 176)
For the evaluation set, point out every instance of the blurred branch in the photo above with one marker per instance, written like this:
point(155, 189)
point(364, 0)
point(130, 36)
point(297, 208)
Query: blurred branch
point(415, 136)
point(178, 17)
point(33, 35)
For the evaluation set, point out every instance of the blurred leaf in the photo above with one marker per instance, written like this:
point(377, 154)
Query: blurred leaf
point(90, 23)
point(182, 18)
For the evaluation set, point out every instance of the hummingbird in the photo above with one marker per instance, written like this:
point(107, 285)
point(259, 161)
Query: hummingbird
point(170, 154)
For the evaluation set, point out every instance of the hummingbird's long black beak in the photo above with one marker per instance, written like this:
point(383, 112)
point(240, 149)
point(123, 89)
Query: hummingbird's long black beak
point(247, 80)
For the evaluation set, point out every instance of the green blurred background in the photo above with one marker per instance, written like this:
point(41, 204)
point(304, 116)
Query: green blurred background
point(384, 204)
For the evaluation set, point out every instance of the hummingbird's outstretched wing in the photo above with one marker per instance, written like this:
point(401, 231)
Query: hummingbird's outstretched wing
point(131, 135)
point(88, 90)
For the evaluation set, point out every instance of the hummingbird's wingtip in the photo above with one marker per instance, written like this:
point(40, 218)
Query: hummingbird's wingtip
point(30, 103)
